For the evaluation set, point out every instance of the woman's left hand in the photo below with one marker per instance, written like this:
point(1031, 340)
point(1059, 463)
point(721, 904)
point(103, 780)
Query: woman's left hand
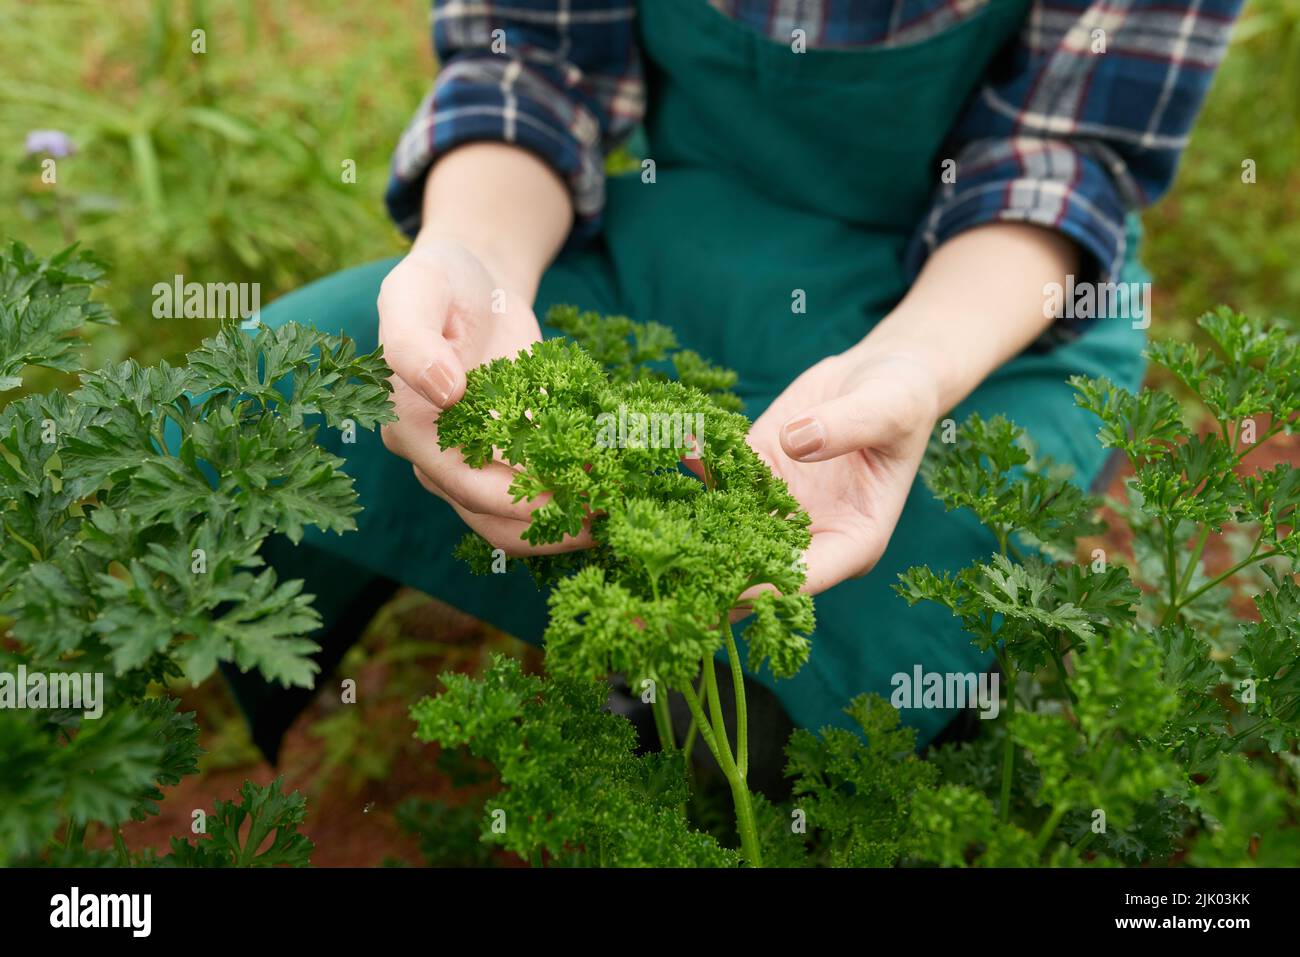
point(847, 436)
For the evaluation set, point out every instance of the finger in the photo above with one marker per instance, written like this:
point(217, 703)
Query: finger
point(504, 533)
point(695, 466)
point(484, 491)
point(743, 608)
point(833, 557)
point(874, 414)
point(412, 312)
point(414, 437)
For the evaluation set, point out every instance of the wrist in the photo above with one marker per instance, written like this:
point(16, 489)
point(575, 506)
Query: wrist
point(926, 369)
point(502, 204)
point(506, 268)
point(977, 303)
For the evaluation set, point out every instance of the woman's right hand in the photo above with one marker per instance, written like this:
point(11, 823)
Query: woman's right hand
point(443, 311)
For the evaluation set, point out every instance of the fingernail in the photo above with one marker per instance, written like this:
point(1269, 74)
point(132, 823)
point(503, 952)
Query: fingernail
point(804, 437)
point(436, 382)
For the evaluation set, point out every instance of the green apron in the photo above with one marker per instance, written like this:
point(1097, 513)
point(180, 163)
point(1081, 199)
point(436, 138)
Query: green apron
point(774, 172)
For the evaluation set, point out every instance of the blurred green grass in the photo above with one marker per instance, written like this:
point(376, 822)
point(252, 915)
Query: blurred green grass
point(221, 166)
point(1215, 239)
point(226, 165)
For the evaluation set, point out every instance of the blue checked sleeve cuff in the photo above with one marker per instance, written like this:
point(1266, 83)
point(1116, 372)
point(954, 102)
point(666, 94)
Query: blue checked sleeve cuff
point(1070, 188)
point(503, 100)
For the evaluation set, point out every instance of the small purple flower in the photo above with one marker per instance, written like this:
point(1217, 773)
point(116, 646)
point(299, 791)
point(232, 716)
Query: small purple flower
point(51, 142)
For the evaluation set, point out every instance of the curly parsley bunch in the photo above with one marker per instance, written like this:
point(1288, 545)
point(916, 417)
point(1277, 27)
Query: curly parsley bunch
point(600, 429)
point(673, 552)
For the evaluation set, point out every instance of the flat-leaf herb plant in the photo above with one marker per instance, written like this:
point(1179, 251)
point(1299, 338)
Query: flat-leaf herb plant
point(1145, 720)
point(133, 511)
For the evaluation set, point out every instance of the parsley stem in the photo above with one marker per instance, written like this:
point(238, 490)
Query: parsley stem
point(1277, 426)
point(688, 745)
point(123, 855)
point(1008, 745)
point(1244, 732)
point(701, 722)
point(76, 835)
point(659, 703)
point(663, 722)
point(701, 692)
point(1250, 559)
point(1059, 659)
point(1171, 565)
point(715, 710)
point(36, 552)
point(742, 715)
point(715, 737)
point(691, 730)
point(1008, 765)
point(1191, 565)
point(663, 719)
point(1253, 557)
point(1049, 828)
point(745, 823)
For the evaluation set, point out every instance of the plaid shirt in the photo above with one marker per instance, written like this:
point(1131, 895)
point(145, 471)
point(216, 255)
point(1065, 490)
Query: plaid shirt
point(1056, 134)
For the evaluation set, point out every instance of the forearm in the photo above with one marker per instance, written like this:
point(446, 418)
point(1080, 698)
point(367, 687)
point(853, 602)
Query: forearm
point(504, 205)
point(977, 303)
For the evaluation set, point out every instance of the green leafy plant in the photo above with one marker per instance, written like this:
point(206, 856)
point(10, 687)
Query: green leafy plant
point(1143, 723)
point(858, 787)
point(1135, 696)
point(271, 815)
point(133, 512)
point(651, 600)
point(448, 834)
point(568, 769)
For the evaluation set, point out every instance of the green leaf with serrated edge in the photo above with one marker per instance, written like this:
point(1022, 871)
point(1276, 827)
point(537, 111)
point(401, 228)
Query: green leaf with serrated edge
point(269, 813)
point(133, 510)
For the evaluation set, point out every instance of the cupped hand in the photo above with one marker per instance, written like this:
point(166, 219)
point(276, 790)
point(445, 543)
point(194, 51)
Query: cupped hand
point(442, 311)
point(848, 436)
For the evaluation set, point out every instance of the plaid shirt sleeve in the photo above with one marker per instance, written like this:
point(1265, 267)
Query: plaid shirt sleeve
point(562, 80)
point(1074, 139)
